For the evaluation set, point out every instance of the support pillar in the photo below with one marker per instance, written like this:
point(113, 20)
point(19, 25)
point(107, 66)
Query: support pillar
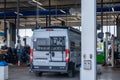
point(17, 27)
point(118, 26)
point(88, 62)
point(107, 51)
point(113, 49)
point(49, 22)
point(5, 24)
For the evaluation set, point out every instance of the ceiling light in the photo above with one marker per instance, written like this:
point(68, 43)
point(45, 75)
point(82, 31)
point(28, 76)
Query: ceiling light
point(113, 9)
point(34, 4)
point(38, 19)
point(75, 18)
point(61, 19)
point(41, 7)
point(19, 13)
point(37, 2)
point(62, 11)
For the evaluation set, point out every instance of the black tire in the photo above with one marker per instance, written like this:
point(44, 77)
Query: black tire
point(38, 73)
point(71, 73)
point(71, 69)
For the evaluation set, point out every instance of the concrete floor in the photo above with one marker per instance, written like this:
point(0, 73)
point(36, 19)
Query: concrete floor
point(22, 73)
point(109, 73)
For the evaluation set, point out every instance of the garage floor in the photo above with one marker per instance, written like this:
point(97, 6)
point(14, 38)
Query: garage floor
point(109, 73)
point(22, 73)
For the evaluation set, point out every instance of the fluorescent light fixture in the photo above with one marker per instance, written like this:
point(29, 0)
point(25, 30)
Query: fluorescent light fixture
point(18, 13)
point(34, 4)
point(61, 19)
point(37, 2)
point(75, 18)
point(62, 11)
point(38, 19)
point(41, 8)
point(113, 9)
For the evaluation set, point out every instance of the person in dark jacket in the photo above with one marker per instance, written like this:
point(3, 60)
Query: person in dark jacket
point(4, 47)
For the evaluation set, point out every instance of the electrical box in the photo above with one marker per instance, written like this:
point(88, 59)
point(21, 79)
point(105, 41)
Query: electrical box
point(87, 64)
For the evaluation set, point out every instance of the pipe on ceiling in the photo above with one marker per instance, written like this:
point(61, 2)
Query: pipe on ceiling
point(53, 12)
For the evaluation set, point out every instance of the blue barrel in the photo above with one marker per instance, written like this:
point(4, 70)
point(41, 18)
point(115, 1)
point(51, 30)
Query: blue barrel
point(3, 63)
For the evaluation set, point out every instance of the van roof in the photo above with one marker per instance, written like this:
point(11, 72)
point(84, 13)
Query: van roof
point(62, 27)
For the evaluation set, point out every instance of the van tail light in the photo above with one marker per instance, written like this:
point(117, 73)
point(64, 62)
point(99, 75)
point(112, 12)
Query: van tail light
point(67, 55)
point(31, 55)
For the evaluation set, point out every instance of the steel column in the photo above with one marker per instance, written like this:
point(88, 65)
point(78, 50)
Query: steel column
point(88, 62)
point(18, 20)
point(17, 27)
point(102, 16)
point(5, 24)
point(49, 13)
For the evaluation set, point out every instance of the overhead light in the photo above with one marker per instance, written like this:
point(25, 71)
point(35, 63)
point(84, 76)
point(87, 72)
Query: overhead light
point(113, 9)
point(41, 7)
point(34, 4)
point(75, 18)
point(18, 13)
point(61, 19)
point(38, 19)
point(37, 2)
point(22, 25)
point(62, 11)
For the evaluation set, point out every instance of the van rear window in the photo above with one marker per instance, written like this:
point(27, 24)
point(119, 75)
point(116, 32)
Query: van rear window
point(57, 41)
point(43, 41)
point(50, 44)
point(41, 44)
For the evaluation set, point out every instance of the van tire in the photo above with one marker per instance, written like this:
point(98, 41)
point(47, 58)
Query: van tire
point(71, 73)
point(71, 69)
point(38, 73)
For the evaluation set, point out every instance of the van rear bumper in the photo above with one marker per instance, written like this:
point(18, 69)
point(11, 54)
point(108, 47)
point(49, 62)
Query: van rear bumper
point(49, 69)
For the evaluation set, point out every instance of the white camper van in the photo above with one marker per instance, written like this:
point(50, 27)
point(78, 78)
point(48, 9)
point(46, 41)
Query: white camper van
point(56, 49)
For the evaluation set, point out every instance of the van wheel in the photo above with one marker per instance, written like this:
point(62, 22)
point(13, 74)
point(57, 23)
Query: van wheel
point(71, 73)
point(71, 69)
point(38, 73)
